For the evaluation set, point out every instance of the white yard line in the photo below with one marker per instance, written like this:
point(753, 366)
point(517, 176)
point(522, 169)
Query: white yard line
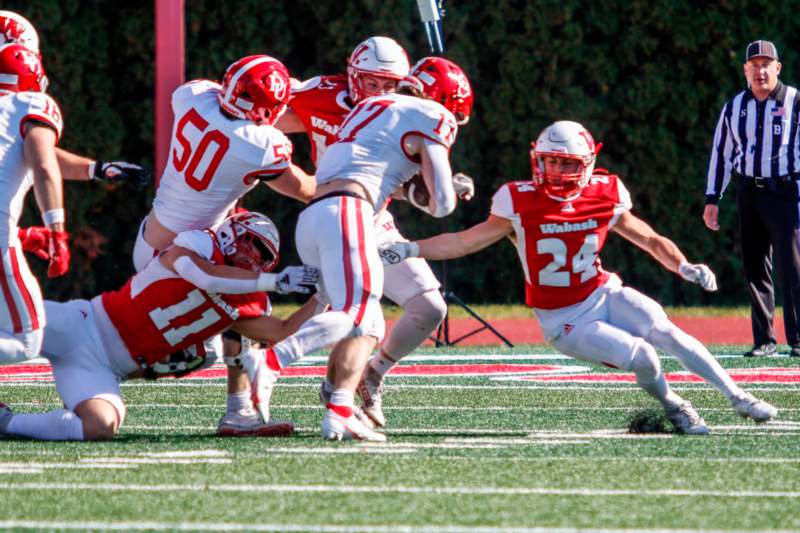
point(389, 489)
point(324, 528)
point(312, 382)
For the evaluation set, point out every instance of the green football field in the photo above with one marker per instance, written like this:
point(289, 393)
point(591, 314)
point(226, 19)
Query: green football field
point(480, 440)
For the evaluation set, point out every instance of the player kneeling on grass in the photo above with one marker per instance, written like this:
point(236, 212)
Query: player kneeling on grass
point(207, 282)
point(559, 223)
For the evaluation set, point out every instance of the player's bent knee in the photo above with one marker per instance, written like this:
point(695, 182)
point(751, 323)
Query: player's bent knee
point(428, 309)
point(100, 419)
point(645, 362)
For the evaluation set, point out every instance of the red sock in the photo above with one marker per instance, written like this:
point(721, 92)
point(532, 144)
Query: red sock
point(342, 410)
point(272, 360)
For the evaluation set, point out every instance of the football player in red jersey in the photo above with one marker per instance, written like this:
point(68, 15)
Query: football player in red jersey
point(559, 222)
point(207, 282)
point(318, 107)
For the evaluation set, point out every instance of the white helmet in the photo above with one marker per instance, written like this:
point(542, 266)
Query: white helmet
point(564, 140)
point(14, 28)
point(250, 240)
point(377, 56)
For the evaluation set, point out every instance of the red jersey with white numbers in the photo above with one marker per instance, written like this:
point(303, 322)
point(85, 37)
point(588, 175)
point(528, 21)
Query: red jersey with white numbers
point(559, 242)
point(321, 104)
point(157, 312)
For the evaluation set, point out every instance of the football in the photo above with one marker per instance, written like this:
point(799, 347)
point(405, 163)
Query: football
point(417, 192)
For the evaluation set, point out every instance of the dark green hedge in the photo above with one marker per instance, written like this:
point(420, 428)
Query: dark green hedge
point(647, 78)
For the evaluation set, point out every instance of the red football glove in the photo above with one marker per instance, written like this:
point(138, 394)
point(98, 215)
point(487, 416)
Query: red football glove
point(59, 254)
point(36, 240)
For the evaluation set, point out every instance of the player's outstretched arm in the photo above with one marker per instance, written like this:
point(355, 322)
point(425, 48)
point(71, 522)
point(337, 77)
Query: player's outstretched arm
point(438, 178)
point(39, 152)
point(663, 250)
point(78, 168)
point(226, 279)
point(271, 329)
point(294, 183)
point(450, 245)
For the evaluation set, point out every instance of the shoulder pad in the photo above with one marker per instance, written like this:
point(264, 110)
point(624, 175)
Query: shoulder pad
point(199, 241)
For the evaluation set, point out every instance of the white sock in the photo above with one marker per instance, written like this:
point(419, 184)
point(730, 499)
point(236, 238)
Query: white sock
point(239, 401)
point(342, 397)
point(314, 334)
point(695, 357)
point(55, 425)
point(650, 376)
point(381, 363)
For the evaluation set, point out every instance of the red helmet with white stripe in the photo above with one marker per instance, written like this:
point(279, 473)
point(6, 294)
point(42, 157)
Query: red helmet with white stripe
point(250, 240)
point(255, 88)
point(563, 159)
point(14, 28)
point(443, 81)
point(21, 70)
point(381, 57)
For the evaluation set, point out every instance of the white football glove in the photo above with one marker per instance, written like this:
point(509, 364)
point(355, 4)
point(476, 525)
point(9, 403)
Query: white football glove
point(395, 252)
point(296, 279)
point(464, 186)
point(700, 274)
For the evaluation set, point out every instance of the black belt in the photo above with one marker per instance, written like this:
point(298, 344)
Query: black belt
point(333, 195)
point(761, 182)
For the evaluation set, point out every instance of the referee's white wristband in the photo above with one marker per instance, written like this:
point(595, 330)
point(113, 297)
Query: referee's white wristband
point(266, 282)
point(53, 216)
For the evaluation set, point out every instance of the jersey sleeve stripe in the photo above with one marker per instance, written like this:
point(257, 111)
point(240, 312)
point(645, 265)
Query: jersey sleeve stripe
point(46, 121)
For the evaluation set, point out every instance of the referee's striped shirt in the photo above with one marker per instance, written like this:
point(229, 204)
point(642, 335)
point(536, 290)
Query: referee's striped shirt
point(756, 139)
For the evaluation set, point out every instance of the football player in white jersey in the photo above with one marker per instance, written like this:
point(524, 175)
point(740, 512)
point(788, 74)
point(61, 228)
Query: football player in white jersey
point(384, 141)
point(223, 144)
point(30, 122)
point(559, 223)
point(16, 29)
point(318, 108)
point(205, 283)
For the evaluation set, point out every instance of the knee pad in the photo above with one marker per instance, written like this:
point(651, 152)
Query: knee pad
point(427, 310)
point(645, 362)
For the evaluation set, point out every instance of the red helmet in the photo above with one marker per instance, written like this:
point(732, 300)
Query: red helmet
point(14, 28)
point(255, 88)
point(250, 240)
point(444, 82)
point(21, 70)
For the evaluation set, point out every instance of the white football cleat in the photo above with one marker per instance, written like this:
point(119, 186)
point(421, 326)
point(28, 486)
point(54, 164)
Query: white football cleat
point(326, 390)
point(249, 424)
point(336, 427)
point(262, 379)
point(748, 406)
point(370, 389)
point(6, 414)
point(686, 420)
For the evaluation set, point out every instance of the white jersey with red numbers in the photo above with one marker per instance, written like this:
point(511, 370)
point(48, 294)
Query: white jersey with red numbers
point(213, 160)
point(370, 145)
point(157, 312)
point(559, 242)
point(321, 104)
point(16, 177)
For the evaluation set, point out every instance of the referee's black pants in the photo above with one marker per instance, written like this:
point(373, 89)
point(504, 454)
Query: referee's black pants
point(769, 225)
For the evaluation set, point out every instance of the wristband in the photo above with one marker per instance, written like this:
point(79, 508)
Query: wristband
point(90, 170)
point(266, 282)
point(413, 249)
point(53, 216)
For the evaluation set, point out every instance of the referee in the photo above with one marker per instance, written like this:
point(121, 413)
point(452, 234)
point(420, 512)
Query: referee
point(756, 144)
